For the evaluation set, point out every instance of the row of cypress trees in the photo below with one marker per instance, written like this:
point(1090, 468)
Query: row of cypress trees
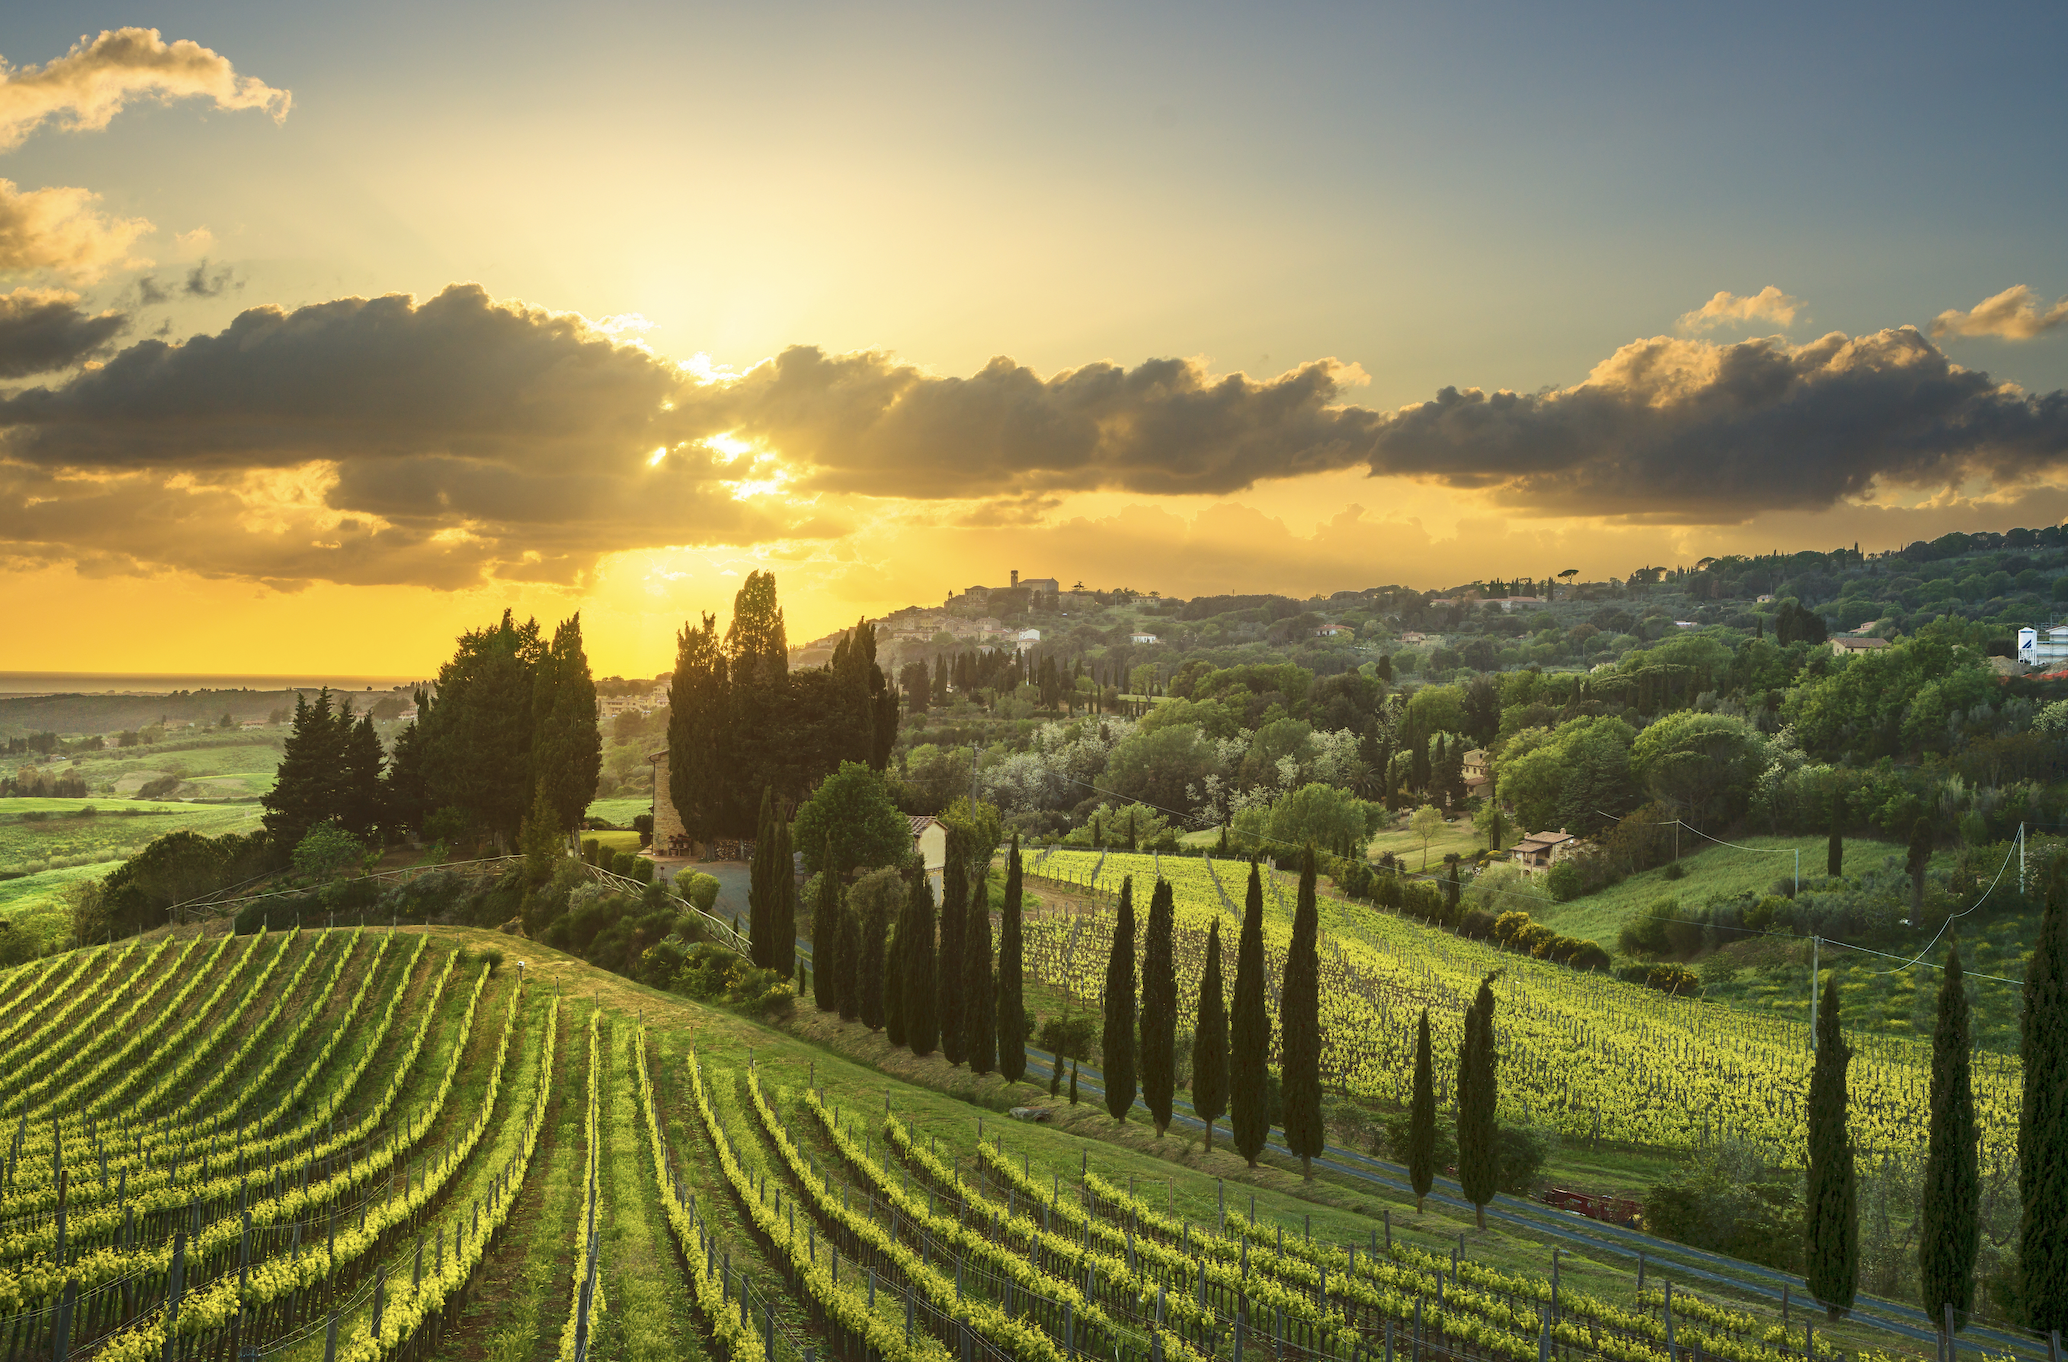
point(1230, 1048)
point(928, 982)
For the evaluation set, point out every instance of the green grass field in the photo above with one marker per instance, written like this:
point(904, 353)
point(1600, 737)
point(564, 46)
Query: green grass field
point(67, 836)
point(1705, 874)
point(225, 766)
point(36, 903)
point(620, 811)
point(1457, 835)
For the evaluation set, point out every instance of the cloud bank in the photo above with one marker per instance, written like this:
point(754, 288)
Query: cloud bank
point(1727, 308)
point(461, 439)
point(2013, 314)
point(84, 89)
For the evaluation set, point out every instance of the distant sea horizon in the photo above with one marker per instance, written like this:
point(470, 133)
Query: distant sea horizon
point(165, 683)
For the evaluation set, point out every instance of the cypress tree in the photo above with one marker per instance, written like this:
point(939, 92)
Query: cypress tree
point(979, 994)
point(917, 946)
point(1249, 1032)
point(1159, 1059)
point(952, 966)
point(1834, 859)
point(1421, 1118)
point(1479, 1158)
point(894, 970)
point(1949, 1224)
point(1299, 1025)
point(782, 917)
point(1831, 1238)
point(761, 889)
point(827, 967)
point(2043, 1116)
point(850, 981)
point(1012, 1009)
point(873, 934)
point(1917, 861)
point(1210, 1040)
point(1119, 1038)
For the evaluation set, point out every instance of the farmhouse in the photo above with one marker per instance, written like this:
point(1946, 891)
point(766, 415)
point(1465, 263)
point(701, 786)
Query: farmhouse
point(1541, 850)
point(1478, 779)
point(930, 845)
point(1843, 647)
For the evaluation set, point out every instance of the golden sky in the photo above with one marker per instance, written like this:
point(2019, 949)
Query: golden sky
point(324, 337)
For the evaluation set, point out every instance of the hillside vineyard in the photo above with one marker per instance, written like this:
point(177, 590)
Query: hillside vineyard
point(307, 1145)
point(1592, 1058)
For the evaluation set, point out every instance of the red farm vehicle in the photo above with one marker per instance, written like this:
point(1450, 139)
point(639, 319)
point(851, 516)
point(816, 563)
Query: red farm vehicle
point(1616, 1210)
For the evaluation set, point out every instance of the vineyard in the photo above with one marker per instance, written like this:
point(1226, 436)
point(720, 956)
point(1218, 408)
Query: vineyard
point(361, 1143)
point(1592, 1058)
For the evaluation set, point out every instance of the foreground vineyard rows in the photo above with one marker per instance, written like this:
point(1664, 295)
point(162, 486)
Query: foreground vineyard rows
point(1581, 1053)
point(315, 1146)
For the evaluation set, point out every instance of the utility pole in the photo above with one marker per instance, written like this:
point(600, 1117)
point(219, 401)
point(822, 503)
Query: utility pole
point(2021, 860)
point(1798, 870)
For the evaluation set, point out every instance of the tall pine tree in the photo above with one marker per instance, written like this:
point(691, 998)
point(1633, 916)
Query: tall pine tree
point(917, 947)
point(1479, 1157)
point(360, 808)
point(700, 774)
point(1210, 1040)
point(979, 992)
point(1012, 1012)
point(1249, 1032)
point(477, 759)
point(1949, 1223)
point(1159, 1061)
point(566, 747)
point(1421, 1117)
point(1831, 1235)
point(1299, 1025)
point(307, 785)
point(953, 966)
point(1118, 1039)
point(2043, 1116)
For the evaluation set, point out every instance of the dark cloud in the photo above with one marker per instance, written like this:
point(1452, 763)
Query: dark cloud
point(148, 291)
point(372, 441)
point(1692, 432)
point(44, 329)
point(868, 424)
point(1667, 428)
point(204, 283)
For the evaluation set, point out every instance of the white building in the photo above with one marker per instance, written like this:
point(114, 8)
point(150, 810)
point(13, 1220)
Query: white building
point(2043, 648)
point(1143, 638)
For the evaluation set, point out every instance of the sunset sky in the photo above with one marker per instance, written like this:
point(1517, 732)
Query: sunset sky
point(329, 331)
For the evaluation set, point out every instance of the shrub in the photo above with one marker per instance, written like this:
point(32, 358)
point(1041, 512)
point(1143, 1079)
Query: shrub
point(699, 889)
point(590, 846)
point(1565, 881)
point(1675, 870)
point(1521, 1152)
point(1674, 979)
point(643, 825)
point(327, 851)
point(1731, 1202)
point(1478, 924)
